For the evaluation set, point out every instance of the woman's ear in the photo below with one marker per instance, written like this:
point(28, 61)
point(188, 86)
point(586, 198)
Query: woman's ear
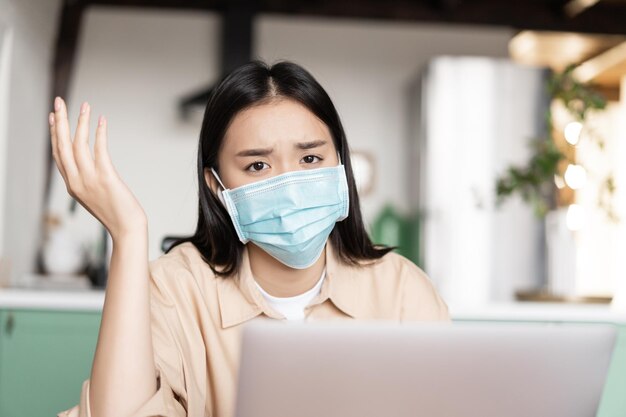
point(211, 181)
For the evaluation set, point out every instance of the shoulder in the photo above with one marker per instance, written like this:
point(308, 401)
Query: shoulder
point(177, 271)
point(394, 269)
point(416, 296)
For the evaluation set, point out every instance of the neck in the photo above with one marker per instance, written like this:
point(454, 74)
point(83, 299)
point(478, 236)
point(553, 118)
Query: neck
point(279, 280)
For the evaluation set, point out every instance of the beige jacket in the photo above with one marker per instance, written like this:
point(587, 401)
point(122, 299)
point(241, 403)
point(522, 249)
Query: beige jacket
point(197, 318)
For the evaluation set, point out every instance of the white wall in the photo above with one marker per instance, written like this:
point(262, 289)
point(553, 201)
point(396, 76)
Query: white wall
point(477, 253)
point(133, 66)
point(366, 67)
point(24, 123)
point(6, 42)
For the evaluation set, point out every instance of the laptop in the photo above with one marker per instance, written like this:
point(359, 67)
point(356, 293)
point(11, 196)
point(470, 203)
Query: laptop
point(389, 369)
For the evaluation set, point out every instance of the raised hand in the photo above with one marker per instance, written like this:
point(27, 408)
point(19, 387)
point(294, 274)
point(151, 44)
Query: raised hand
point(93, 180)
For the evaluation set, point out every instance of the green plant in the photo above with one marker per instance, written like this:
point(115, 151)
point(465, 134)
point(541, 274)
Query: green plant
point(535, 182)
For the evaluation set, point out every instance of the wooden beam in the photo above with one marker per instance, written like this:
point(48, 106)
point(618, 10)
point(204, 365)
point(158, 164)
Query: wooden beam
point(605, 69)
point(604, 17)
point(557, 50)
point(211, 5)
point(235, 49)
point(63, 63)
point(575, 7)
point(237, 33)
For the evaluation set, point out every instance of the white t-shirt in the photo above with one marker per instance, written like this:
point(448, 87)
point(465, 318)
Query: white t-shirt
point(293, 307)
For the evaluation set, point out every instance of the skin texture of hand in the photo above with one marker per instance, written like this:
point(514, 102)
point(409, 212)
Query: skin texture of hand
point(121, 379)
point(93, 180)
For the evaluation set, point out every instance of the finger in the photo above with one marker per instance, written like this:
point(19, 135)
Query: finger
point(53, 140)
point(64, 144)
point(101, 152)
point(82, 154)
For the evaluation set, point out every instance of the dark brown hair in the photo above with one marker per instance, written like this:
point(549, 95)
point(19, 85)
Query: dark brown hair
point(252, 84)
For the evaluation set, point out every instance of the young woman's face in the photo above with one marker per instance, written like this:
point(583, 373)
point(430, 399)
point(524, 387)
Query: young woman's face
point(270, 139)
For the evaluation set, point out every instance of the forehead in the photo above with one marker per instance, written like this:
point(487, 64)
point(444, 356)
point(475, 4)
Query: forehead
point(274, 124)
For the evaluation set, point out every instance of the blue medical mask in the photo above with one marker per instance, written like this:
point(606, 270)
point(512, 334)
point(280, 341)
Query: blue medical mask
point(291, 215)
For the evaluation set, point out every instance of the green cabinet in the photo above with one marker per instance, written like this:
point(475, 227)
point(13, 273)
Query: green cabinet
point(2, 325)
point(613, 402)
point(45, 356)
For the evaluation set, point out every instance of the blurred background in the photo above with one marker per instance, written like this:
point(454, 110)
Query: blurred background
point(488, 140)
point(486, 135)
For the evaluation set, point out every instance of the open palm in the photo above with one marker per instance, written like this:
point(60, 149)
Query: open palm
point(93, 180)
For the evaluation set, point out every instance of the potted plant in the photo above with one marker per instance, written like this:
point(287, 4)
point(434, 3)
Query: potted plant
point(552, 175)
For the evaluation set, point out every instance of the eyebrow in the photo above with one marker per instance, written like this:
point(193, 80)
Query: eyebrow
point(266, 151)
point(256, 152)
point(311, 145)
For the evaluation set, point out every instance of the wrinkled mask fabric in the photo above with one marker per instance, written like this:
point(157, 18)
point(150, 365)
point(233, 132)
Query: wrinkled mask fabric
point(291, 215)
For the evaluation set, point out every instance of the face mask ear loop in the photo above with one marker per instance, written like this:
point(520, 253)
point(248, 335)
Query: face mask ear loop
point(217, 177)
point(339, 158)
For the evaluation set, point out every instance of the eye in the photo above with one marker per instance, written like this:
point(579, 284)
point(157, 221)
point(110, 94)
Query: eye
point(311, 159)
point(256, 166)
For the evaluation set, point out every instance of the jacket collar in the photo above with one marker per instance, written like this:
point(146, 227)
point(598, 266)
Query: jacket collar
point(240, 300)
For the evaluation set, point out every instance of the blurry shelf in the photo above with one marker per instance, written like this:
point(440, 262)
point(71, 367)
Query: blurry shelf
point(539, 311)
point(541, 296)
point(93, 300)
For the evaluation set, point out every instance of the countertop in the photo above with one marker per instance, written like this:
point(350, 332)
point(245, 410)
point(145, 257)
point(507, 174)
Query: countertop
point(93, 300)
point(51, 299)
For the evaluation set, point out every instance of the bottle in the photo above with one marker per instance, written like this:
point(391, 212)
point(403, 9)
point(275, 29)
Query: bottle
point(63, 253)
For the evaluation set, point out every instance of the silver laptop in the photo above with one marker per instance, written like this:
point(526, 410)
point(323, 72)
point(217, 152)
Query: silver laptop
point(385, 369)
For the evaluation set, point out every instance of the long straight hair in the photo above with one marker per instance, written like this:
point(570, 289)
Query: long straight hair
point(252, 84)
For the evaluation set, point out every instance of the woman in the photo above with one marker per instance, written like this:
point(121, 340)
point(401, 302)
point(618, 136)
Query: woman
point(279, 236)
